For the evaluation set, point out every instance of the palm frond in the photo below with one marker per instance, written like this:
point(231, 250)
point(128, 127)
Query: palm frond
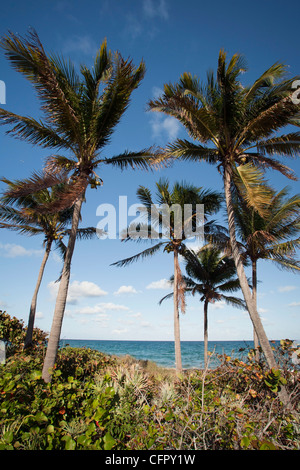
point(142, 159)
point(34, 132)
point(50, 80)
point(144, 254)
point(230, 286)
point(115, 98)
point(234, 301)
point(286, 144)
point(188, 151)
point(37, 182)
point(267, 79)
point(22, 229)
point(253, 187)
point(168, 296)
point(87, 233)
point(67, 197)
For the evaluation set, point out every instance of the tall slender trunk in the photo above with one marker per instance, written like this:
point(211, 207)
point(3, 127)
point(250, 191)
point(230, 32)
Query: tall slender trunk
point(254, 296)
point(205, 333)
point(61, 299)
point(28, 338)
point(178, 362)
point(256, 321)
point(241, 273)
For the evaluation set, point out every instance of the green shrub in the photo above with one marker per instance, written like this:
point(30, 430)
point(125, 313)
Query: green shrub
point(101, 402)
point(13, 332)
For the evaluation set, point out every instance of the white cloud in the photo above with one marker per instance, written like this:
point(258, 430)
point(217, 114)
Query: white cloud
point(11, 250)
point(91, 310)
point(287, 288)
point(161, 284)
point(294, 304)
point(111, 306)
point(101, 308)
point(164, 127)
point(155, 9)
point(78, 289)
point(126, 290)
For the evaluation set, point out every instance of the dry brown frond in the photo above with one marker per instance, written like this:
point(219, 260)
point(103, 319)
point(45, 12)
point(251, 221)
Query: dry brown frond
point(67, 196)
point(37, 182)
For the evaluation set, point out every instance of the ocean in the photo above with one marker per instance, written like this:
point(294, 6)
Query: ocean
point(162, 352)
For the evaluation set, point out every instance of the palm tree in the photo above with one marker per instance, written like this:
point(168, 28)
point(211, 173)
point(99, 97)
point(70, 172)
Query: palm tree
point(170, 225)
point(80, 112)
point(235, 127)
point(210, 274)
point(21, 214)
point(273, 237)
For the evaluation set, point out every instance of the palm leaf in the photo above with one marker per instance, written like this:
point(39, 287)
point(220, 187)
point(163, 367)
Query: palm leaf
point(142, 159)
point(144, 254)
point(234, 301)
point(287, 145)
point(34, 132)
point(253, 187)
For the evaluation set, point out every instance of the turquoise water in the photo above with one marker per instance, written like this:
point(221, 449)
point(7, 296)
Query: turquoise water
point(162, 352)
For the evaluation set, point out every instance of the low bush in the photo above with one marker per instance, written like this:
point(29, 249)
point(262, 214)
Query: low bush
point(96, 401)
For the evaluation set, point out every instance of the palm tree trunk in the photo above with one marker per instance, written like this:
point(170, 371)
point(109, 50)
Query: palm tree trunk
point(205, 334)
point(176, 315)
point(242, 276)
point(254, 296)
point(28, 338)
point(61, 299)
point(256, 321)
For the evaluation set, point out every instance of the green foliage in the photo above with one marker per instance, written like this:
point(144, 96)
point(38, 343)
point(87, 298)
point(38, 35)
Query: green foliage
point(13, 332)
point(99, 402)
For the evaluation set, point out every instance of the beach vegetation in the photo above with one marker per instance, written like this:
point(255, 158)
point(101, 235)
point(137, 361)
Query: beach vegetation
point(101, 402)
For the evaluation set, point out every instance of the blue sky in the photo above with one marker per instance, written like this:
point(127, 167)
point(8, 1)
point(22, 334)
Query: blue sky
point(172, 37)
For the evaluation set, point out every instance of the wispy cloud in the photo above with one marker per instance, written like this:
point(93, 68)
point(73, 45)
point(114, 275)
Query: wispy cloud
point(133, 26)
point(101, 308)
point(83, 44)
point(286, 288)
point(144, 22)
point(294, 304)
point(155, 9)
point(11, 250)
